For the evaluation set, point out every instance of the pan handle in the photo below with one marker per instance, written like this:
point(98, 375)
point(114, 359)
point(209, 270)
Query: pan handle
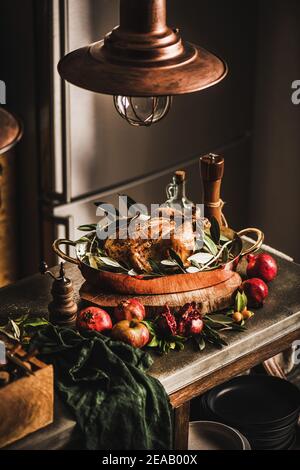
point(256, 246)
point(61, 254)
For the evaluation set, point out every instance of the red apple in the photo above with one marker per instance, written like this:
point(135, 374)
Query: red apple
point(256, 291)
point(262, 266)
point(131, 332)
point(94, 318)
point(131, 309)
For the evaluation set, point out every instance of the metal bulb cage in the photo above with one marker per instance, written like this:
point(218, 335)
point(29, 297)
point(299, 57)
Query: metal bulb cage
point(132, 110)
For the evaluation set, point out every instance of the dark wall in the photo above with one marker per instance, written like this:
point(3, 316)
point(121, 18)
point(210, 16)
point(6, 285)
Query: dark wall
point(275, 188)
point(18, 69)
point(249, 117)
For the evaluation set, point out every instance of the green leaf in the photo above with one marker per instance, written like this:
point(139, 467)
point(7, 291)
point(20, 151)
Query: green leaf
point(180, 346)
point(215, 231)
point(150, 325)
point(240, 302)
point(195, 265)
point(110, 262)
point(87, 228)
point(154, 266)
point(9, 334)
point(83, 240)
point(177, 258)
point(224, 239)
point(153, 343)
point(192, 270)
point(213, 336)
point(225, 255)
point(92, 261)
point(35, 323)
point(132, 273)
point(15, 329)
point(237, 327)
point(212, 247)
point(230, 312)
point(219, 318)
point(200, 342)
point(201, 258)
point(168, 262)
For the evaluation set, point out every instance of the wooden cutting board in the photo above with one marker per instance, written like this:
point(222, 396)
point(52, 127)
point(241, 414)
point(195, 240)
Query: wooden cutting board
point(209, 299)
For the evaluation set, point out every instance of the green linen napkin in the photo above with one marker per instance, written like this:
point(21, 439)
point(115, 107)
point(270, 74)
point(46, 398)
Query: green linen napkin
point(117, 404)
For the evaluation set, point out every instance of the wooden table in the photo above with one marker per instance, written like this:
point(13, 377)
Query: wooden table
point(184, 375)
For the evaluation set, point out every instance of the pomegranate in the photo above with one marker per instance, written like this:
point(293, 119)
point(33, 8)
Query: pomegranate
point(93, 318)
point(262, 266)
point(131, 332)
point(131, 309)
point(256, 291)
point(166, 323)
point(190, 320)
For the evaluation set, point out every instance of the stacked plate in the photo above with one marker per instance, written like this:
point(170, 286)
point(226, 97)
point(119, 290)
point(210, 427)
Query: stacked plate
point(264, 409)
point(207, 435)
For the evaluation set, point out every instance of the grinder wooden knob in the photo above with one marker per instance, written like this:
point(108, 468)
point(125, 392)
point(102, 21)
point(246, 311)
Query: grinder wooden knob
point(212, 172)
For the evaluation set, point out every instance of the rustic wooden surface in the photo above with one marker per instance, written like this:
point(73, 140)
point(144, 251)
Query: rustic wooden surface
point(26, 405)
point(189, 372)
point(181, 429)
point(229, 371)
point(209, 299)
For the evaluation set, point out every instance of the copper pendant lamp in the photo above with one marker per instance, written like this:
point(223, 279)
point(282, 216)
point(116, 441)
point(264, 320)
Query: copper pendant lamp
point(142, 63)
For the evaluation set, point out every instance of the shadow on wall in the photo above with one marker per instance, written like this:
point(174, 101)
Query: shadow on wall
point(275, 188)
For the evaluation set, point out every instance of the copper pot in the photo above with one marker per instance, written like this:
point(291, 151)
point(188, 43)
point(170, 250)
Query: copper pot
point(125, 284)
point(10, 133)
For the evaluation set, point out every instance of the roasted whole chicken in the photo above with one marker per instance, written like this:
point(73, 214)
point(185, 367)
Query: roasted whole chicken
point(152, 240)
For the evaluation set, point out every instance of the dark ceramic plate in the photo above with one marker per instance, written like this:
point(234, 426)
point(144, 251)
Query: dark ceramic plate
point(258, 400)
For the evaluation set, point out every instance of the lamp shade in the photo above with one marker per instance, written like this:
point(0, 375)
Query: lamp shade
point(142, 57)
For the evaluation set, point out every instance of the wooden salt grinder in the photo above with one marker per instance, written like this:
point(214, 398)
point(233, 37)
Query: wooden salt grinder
point(212, 172)
point(62, 309)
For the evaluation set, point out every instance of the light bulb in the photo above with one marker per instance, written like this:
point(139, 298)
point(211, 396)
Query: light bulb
point(142, 111)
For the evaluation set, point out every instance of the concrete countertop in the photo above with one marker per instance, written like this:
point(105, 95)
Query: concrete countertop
point(279, 316)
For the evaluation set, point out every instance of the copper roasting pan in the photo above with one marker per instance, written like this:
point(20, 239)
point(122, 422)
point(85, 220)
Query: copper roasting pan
point(125, 284)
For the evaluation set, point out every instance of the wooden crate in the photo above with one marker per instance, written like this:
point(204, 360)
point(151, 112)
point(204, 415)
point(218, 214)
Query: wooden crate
point(26, 405)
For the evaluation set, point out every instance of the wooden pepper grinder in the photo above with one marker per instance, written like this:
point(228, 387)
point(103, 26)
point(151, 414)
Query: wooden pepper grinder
point(62, 309)
point(212, 172)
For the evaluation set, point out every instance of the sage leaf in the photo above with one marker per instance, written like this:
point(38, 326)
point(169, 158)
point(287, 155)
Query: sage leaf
point(201, 258)
point(201, 343)
point(219, 318)
point(154, 266)
point(177, 258)
point(153, 343)
point(224, 239)
point(92, 261)
point(132, 273)
point(212, 247)
point(192, 270)
point(87, 228)
point(196, 265)
point(168, 262)
point(110, 262)
point(15, 329)
point(225, 255)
